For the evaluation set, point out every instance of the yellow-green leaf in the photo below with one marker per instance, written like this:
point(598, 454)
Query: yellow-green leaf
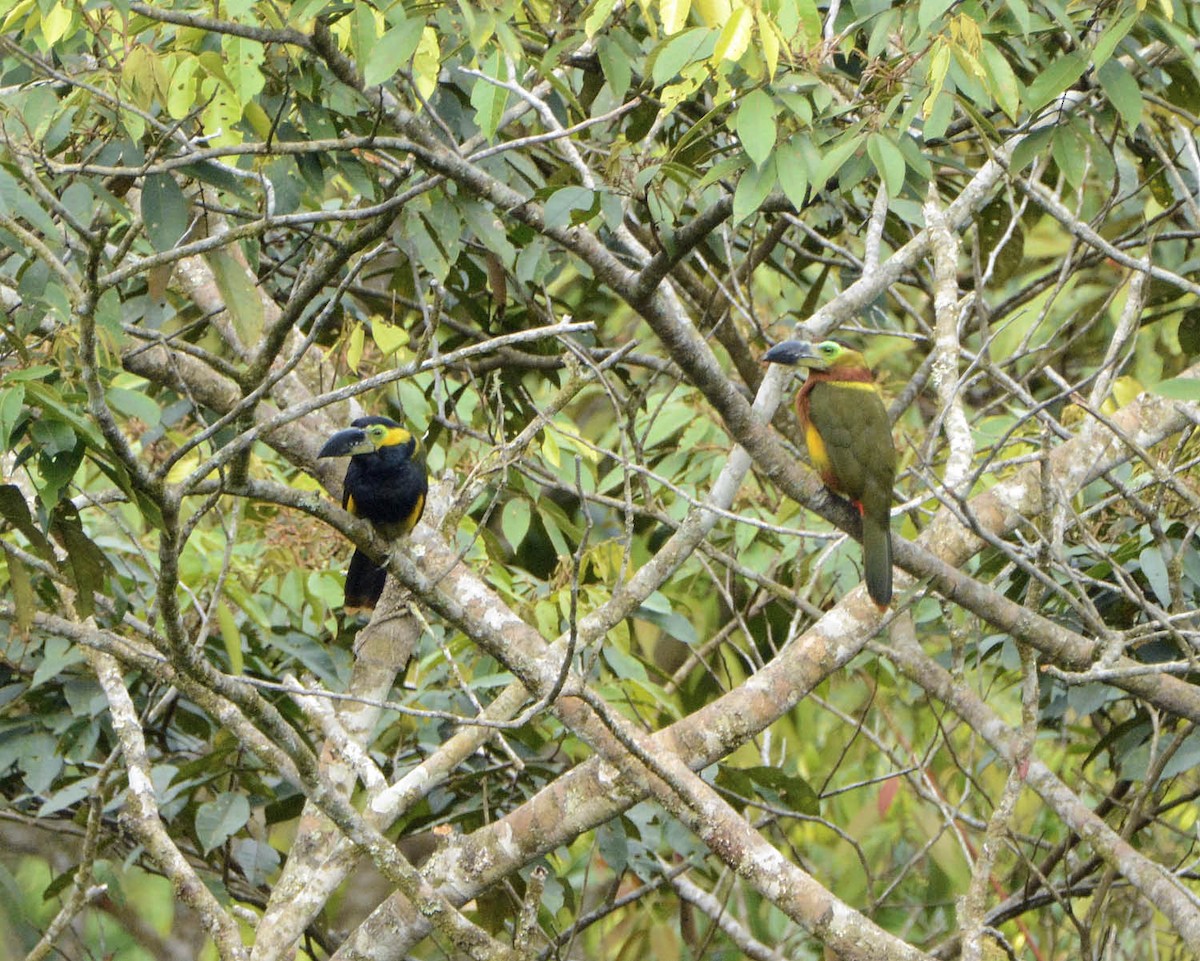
point(244, 60)
point(232, 638)
point(354, 350)
point(939, 64)
point(714, 13)
point(181, 90)
point(597, 17)
point(427, 62)
point(56, 23)
point(768, 40)
point(221, 113)
point(674, 14)
point(550, 449)
point(735, 37)
point(18, 14)
point(388, 337)
point(20, 589)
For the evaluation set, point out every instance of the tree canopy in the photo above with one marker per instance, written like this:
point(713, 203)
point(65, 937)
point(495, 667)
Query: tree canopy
point(624, 692)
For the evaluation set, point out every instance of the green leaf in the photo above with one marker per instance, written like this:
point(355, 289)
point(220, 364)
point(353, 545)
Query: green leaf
point(929, 10)
point(755, 125)
point(393, 51)
point(810, 21)
point(596, 16)
point(164, 211)
point(623, 664)
point(1186, 758)
point(889, 162)
point(1178, 388)
point(12, 403)
point(86, 562)
point(1031, 147)
point(15, 510)
point(488, 99)
point(1070, 152)
point(1020, 13)
point(833, 159)
point(1000, 80)
point(792, 791)
point(133, 403)
point(14, 200)
point(1059, 74)
point(792, 172)
point(1108, 41)
point(57, 655)
point(239, 293)
point(362, 31)
point(673, 55)
point(656, 609)
point(615, 64)
point(69, 796)
point(257, 859)
point(752, 189)
point(1122, 91)
point(562, 204)
point(993, 224)
point(514, 521)
point(219, 819)
point(613, 845)
point(1155, 569)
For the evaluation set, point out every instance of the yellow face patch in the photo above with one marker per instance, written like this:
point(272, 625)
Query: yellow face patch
point(381, 435)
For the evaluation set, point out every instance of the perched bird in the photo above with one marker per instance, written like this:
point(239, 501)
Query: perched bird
point(849, 440)
point(385, 484)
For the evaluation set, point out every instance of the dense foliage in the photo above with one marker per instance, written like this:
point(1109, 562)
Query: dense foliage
point(625, 693)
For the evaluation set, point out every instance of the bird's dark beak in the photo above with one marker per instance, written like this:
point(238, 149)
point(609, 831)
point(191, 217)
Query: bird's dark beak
point(353, 440)
point(791, 352)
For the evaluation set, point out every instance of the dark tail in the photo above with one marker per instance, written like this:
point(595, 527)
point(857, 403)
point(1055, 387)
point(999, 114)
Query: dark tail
point(364, 582)
point(877, 555)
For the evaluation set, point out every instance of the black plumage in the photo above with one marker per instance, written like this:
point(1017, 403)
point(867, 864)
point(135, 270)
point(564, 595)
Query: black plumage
point(385, 484)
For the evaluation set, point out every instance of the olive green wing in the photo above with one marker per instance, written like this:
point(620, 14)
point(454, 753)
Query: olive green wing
point(857, 436)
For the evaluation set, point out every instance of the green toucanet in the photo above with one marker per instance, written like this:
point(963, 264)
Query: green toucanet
point(849, 439)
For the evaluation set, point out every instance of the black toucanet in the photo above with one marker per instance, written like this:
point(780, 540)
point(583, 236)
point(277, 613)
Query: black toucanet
point(849, 439)
point(386, 485)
